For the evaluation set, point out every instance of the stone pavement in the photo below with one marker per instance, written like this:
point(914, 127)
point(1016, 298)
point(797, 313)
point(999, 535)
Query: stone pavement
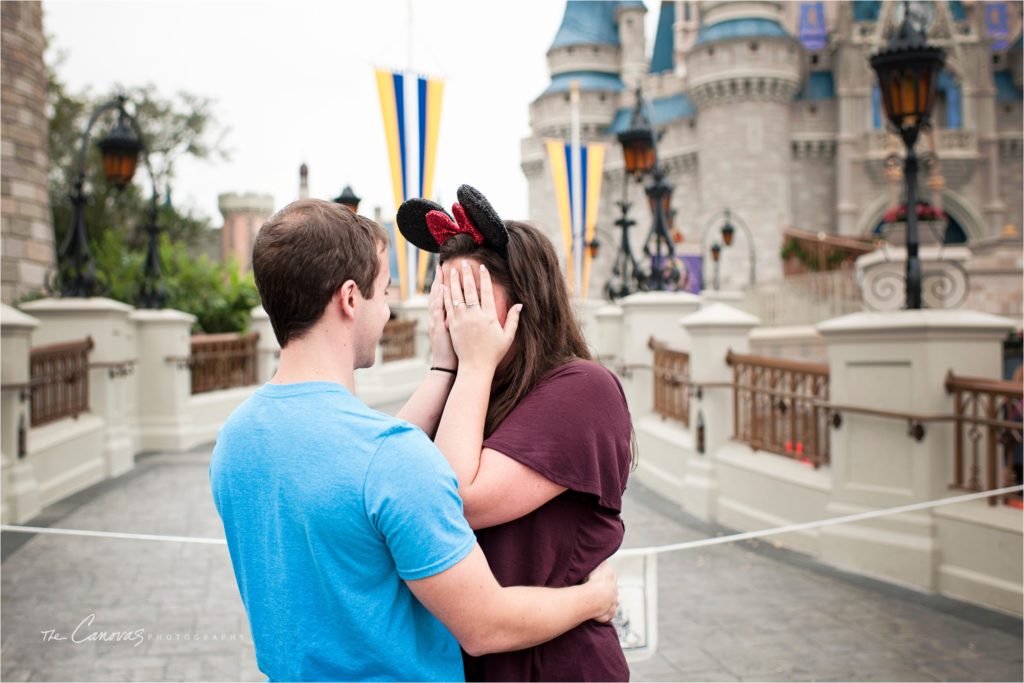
point(725, 613)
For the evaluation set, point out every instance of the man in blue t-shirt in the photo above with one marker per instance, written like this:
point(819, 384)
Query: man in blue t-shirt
point(345, 526)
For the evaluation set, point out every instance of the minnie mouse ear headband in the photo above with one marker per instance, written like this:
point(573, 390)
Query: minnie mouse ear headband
point(427, 225)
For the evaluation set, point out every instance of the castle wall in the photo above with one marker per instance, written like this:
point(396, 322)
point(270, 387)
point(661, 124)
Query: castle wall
point(745, 165)
point(26, 224)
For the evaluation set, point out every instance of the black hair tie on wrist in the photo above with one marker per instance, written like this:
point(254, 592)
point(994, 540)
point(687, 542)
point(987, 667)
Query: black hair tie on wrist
point(444, 370)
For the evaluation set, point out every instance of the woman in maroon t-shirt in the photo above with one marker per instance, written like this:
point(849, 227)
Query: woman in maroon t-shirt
point(538, 434)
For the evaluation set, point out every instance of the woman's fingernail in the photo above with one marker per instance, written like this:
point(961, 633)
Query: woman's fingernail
point(465, 263)
point(483, 267)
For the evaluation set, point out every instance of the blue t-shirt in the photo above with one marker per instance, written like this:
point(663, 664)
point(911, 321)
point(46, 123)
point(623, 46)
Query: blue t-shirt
point(328, 506)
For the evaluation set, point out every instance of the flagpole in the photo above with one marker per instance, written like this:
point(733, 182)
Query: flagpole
point(410, 78)
point(577, 191)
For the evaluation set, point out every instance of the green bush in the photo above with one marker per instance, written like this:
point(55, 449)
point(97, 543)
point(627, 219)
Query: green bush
point(218, 294)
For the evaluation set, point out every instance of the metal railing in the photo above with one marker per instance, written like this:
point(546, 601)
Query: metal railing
point(781, 406)
point(223, 361)
point(807, 298)
point(671, 390)
point(987, 448)
point(399, 340)
point(59, 380)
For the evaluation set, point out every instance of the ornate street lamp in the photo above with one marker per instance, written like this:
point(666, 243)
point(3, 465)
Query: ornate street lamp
point(348, 199)
point(626, 274)
point(640, 157)
point(727, 233)
point(908, 70)
point(120, 148)
point(716, 255)
point(727, 230)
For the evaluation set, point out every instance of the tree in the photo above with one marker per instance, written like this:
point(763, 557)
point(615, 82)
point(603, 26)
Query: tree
point(173, 128)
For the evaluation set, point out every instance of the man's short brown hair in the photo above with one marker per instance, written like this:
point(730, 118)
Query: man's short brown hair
point(304, 253)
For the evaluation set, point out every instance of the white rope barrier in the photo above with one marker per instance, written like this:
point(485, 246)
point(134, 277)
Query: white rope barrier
point(628, 552)
point(831, 521)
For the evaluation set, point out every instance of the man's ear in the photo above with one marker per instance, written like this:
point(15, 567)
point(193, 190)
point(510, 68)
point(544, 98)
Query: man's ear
point(347, 295)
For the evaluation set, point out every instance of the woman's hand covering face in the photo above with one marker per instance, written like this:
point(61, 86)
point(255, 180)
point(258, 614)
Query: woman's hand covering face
point(442, 353)
point(478, 338)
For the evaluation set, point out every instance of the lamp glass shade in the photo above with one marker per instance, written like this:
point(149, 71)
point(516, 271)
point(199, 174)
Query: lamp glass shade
point(120, 150)
point(727, 234)
point(716, 251)
point(638, 151)
point(907, 79)
point(666, 208)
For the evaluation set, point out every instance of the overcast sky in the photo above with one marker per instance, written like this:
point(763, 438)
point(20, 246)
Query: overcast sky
point(294, 82)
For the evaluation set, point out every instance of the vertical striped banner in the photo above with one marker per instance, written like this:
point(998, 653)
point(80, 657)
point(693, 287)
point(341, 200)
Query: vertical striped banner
point(562, 176)
point(411, 110)
point(592, 192)
point(431, 92)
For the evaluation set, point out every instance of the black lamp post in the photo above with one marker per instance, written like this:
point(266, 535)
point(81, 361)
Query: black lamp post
point(640, 156)
point(908, 70)
point(120, 148)
point(348, 199)
point(626, 274)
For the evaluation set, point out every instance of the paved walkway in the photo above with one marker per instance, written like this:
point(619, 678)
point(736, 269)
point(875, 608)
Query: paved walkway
point(725, 613)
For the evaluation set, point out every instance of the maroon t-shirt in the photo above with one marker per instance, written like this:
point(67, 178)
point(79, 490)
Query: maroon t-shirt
point(574, 429)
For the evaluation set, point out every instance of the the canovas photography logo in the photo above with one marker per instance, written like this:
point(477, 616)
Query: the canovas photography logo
point(86, 633)
point(89, 631)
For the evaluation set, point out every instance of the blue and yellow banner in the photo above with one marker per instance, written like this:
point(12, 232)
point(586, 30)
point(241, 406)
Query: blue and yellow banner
point(560, 159)
point(411, 109)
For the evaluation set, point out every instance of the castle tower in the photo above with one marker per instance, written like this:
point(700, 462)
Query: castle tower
point(303, 181)
point(630, 19)
point(743, 73)
point(27, 227)
point(588, 49)
point(243, 216)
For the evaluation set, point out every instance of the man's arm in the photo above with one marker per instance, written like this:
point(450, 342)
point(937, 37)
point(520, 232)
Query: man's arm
point(425, 406)
point(486, 617)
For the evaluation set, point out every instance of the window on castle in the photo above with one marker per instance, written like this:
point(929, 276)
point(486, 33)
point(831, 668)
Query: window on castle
point(948, 112)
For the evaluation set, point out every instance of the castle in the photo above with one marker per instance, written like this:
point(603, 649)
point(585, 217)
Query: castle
point(771, 110)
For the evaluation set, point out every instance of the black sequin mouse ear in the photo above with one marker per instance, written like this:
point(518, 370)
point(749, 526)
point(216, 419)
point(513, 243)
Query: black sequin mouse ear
point(412, 222)
point(485, 218)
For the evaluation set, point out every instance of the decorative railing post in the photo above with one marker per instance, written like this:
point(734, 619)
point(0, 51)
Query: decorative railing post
point(646, 315)
point(164, 380)
point(712, 331)
point(606, 343)
point(898, 362)
point(20, 487)
point(112, 382)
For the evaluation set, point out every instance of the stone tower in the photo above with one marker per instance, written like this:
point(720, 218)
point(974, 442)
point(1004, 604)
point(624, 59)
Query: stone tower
point(243, 216)
point(303, 181)
point(27, 224)
point(599, 45)
point(743, 74)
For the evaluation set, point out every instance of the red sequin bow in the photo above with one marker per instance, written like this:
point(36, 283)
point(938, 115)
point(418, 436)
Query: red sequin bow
point(442, 227)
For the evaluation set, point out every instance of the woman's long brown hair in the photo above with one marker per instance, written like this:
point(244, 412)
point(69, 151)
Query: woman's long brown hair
point(549, 334)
